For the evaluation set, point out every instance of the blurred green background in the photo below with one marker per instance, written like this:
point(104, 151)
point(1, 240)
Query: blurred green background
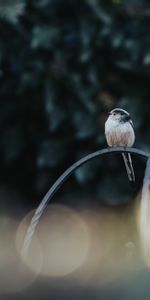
point(63, 65)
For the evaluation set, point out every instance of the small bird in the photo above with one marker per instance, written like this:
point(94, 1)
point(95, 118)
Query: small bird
point(119, 132)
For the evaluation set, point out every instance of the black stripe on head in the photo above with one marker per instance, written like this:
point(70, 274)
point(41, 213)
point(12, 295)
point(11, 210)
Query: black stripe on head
point(126, 118)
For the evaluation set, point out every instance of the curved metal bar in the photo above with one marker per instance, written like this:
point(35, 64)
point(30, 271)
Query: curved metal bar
point(144, 215)
point(58, 183)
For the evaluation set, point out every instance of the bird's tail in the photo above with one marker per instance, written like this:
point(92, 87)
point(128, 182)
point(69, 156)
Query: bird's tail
point(129, 167)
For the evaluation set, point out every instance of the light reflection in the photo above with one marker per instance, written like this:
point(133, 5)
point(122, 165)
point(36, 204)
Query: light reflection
point(14, 277)
point(102, 235)
point(101, 231)
point(143, 226)
point(34, 258)
point(92, 247)
point(82, 245)
point(64, 241)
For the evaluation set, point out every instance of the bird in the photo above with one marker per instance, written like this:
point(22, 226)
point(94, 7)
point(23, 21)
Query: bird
point(119, 132)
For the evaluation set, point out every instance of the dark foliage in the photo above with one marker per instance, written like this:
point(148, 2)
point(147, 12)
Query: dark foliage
point(63, 65)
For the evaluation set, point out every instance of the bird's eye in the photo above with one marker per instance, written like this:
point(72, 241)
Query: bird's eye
point(114, 113)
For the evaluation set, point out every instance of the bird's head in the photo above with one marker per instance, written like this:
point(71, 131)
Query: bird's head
point(119, 115)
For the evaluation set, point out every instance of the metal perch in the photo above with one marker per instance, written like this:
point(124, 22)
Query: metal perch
point(58, 183)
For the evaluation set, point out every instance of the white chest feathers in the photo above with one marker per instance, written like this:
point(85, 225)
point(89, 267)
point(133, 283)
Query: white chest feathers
point(119, 134)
